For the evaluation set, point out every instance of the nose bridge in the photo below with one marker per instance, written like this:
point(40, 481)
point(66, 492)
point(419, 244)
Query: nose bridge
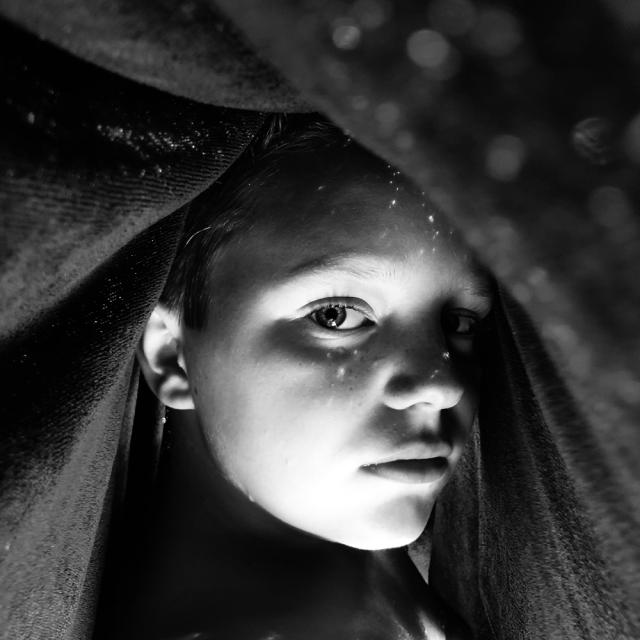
point(423, 369)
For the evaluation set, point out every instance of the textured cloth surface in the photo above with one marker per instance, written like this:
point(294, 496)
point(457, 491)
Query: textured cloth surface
point(520, 121)
point(90, 164)
point(185, 48)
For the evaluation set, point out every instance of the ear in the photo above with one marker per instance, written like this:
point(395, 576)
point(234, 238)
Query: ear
point(160, 353)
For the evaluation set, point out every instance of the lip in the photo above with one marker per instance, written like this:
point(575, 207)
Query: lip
point(414, 451)
point(411, 471)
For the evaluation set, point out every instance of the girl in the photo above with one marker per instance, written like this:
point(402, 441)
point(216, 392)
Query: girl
point(317, 339)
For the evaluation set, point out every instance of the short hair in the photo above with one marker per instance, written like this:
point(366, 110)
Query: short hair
point(226, 208)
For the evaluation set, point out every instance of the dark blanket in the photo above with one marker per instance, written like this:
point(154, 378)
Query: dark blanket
point(522, 121)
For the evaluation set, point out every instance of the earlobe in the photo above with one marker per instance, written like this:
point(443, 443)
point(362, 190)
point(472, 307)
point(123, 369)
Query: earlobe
point(161, 359)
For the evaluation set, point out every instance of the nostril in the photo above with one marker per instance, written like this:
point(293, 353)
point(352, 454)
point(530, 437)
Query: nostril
point(401, 384)
point(438, 388)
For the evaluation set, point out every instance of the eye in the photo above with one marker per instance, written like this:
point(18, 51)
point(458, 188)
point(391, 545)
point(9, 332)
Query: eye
point(460, 322)
point(339, 317)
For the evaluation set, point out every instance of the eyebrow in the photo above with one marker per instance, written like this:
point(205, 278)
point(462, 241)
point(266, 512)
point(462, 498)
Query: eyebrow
point(365, 267)
point(481, 286)
point(357, 265)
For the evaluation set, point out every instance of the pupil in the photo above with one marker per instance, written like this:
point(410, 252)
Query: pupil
point(334, 316)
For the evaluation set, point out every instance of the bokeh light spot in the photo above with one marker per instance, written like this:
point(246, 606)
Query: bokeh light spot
point(452, 17)
point(371, 14)
point(387, 115)
point(428, 48)
point(591, 138)
point(632, 139)
point(609, 206)
point(404, 140)
point(359, 103)
point(504, 157)
point(497, 32)
point(346, 34)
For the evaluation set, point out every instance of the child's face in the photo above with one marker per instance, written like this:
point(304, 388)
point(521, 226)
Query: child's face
point(336, 381)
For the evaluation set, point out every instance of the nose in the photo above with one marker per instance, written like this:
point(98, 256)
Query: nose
point(424, 373)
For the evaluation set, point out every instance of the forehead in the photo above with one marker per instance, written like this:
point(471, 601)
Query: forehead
point(340, 207)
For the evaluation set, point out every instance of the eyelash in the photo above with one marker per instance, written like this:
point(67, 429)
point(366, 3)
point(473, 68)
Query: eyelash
point(457, 314)
point(343, 305)
point(448, 315)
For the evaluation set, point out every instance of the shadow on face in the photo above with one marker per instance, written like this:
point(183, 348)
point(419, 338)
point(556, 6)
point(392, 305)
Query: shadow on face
point(335, 380)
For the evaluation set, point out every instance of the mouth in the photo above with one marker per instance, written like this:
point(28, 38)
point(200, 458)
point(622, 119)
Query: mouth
point(411, 471)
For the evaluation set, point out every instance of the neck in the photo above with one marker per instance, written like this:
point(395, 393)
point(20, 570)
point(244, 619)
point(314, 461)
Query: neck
point(205, 506)
point(214, 551)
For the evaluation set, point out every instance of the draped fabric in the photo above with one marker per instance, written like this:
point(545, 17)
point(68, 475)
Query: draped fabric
point(520, 120)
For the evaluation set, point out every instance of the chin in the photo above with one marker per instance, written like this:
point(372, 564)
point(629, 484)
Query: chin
point(392, 527)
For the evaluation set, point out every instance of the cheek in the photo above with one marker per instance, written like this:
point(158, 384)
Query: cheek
point(270, 413)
